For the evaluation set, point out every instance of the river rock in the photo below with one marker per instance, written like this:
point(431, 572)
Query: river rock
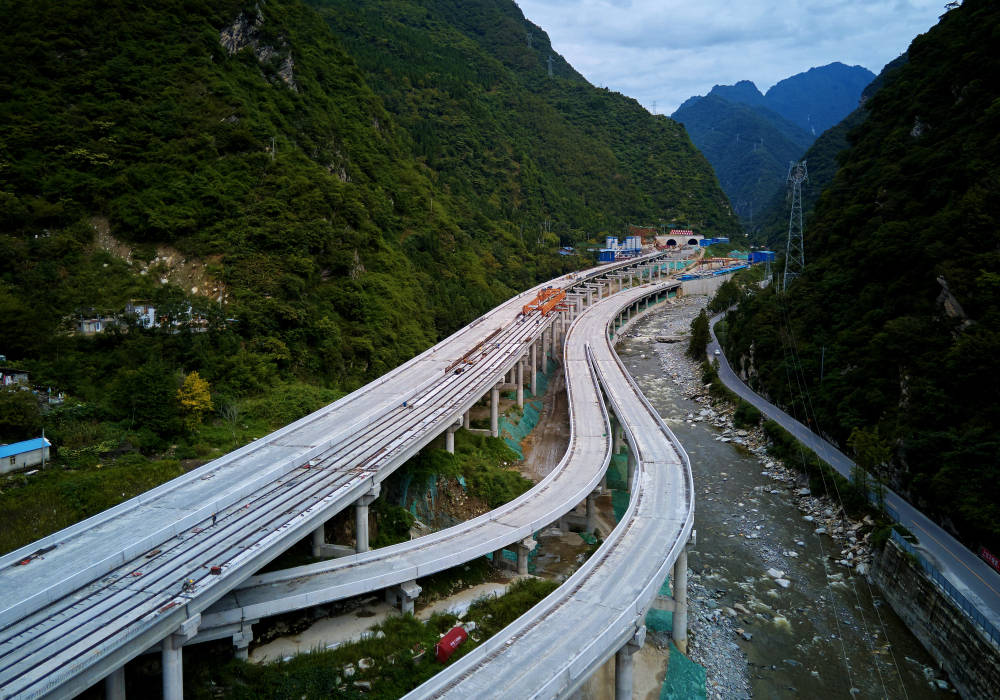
point(783, 582)
point(775, 573)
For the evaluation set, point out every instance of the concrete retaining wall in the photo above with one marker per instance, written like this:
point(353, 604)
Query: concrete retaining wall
point(971, 661)
point(707, 285)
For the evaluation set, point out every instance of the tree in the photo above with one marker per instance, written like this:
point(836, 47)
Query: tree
point(20, 418)
point(871, 456)
point(700, 336)
point(196, 399)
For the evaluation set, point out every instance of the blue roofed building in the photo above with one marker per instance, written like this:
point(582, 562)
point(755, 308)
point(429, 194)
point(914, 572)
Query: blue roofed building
point(22, 455)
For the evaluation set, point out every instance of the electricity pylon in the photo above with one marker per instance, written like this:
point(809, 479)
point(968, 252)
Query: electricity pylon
point(795, 254)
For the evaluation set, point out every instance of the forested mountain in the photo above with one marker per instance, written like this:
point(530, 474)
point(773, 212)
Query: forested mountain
point(771, 226)
point(749, 137)
point(749, 148)
point(324, 187)
point(894, 328)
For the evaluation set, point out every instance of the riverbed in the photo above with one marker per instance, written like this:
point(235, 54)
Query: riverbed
point(772, 612)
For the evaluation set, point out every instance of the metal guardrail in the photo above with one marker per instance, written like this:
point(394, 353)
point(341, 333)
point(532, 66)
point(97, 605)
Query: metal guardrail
point(991, 632)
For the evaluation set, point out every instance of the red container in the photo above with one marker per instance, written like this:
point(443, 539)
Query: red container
point(449, 643)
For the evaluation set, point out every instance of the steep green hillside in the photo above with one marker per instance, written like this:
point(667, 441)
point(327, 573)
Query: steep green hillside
point(469, 81)
point(900, 302)
point(324, 206)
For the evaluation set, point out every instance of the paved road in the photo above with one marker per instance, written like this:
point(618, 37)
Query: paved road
point(976, 580)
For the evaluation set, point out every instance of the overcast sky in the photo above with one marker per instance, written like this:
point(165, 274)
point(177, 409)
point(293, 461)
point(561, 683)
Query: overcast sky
point(664, 51)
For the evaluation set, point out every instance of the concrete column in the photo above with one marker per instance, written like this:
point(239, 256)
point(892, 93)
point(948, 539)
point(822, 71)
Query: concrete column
point(173, 668)
point(449, 440)
point(520, 382)
point(403, 595)
point(623, 664)
point(318, 540)
point(467, 420)
point(495, 412)
point(114, 684)
point(591, 513)
point(524, 548)
point(680, 581)
point(619, 438)
point(534, 369)
point(631, 467)
point(498, 561)
point(242, 639)
point(361, 518)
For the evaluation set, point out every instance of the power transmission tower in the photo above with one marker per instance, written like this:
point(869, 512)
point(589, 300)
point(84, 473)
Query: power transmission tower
point(795, 254)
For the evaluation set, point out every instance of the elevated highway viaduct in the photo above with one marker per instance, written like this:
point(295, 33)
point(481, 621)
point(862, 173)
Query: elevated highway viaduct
point(78, 604)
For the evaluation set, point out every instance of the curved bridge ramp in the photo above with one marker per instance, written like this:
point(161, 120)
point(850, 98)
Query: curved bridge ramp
point(554, 648)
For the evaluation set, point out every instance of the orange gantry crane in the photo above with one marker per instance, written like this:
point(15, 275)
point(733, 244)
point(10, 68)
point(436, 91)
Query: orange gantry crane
point(546, 300)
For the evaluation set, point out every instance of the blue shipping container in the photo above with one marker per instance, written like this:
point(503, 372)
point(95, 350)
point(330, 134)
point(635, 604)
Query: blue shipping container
point(606, 256)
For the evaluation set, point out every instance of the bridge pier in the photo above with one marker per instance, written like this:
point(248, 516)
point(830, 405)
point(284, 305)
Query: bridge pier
point(449, 435)
point(318, 540)
point(242, 639)
point(495, 412)
point(467, 420)
point(631, 468)
point(403, 595)
point(624, 664)
point(534, 369)
point(361, 518)
point(172, 656)
point(524, 548)
point(679, 629)
point(498, 560)
point(520, 383)
point(114, 684)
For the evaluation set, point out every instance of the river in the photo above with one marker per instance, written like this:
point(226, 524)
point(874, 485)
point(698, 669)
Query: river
point(772, 612)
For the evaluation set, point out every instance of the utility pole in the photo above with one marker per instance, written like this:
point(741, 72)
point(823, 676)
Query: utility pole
point(274, 147)
point(795, 255)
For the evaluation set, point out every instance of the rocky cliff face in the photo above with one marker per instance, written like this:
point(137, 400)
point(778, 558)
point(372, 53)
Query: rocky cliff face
point(972, 662)
point(246, 31)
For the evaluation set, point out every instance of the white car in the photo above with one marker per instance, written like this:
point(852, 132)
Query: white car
point(718, 352)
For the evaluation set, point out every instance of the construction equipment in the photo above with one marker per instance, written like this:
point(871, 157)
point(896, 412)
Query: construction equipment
point(546, 300)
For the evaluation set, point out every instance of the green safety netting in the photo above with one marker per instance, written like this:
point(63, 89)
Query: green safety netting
point(685, 679)
point(661, 620)
point(514, 429)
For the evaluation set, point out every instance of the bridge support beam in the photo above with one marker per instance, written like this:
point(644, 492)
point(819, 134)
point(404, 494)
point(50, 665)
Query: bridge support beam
point(449, 433)
point(680, 619)
point(403, 596)
point(242, 639)
point(318, 540)
point(495, 412)
point(520, 383)
point(172, 655)
point(524, 548)
point(534, 369)
point(624, 664)
point(114, 684)
point(361, 518)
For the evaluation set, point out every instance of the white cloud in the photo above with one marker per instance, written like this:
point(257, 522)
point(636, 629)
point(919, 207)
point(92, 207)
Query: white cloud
point(664, 51)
